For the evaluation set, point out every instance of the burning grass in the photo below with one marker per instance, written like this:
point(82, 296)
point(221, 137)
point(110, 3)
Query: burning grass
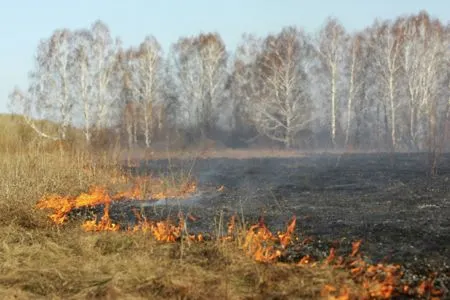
point(259, 243)
point(156, 259)
point(143, 188)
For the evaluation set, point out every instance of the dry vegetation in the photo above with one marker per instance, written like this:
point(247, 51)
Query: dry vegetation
point(42, 260)
point(39, 259)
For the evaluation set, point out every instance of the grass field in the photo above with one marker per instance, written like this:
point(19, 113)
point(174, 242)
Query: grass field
point(39, 259)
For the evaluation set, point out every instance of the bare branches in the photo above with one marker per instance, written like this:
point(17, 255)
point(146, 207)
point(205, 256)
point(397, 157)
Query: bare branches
point(145, 79)
point(200, 64)
point(331, 52)
point(386, 87)
point(22, 105)
point(274, 85)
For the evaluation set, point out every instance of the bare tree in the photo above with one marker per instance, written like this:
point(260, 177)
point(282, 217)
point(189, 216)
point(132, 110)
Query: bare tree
point(201, 76)
point(331, 51)
point(51, 90)
point(279, 101)
point(84, 86)
point(104, 49)
point(244, 86)
point(144, 66)
point(127, 104)
point(446, 131)
point(427, 71)
point(95, 54)
point(387, 46)
point(355, 79)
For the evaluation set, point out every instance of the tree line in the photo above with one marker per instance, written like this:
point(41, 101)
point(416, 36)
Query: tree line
point(385, 87)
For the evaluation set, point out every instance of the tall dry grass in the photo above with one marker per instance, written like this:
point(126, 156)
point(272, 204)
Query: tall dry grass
point(39, 260)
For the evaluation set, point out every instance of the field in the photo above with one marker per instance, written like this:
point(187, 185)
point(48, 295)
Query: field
point(398, 214)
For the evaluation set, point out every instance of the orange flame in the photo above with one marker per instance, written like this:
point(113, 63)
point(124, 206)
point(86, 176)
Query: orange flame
point(134, 193)
point(261, 243)
point(105, 223)
point(96, 196)
point(166, 232)
point(305, 260)
point(285, 238)
point(331, 256)
point(355, 247)
point(329, 292)
point(61, 206)
point(377, 281)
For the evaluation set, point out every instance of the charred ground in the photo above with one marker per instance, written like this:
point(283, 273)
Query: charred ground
point(399, 212)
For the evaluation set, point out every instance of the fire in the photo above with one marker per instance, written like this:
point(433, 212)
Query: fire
point(426, 289)
point(163, 231)
point(355, 247)
point(261, 244)
point(285, 238)
point(98, 195)
point(160, 191)
point(63, 205)
point(305, 260)
point(60, 205)
point(135, 193)
point(166, 232)
point(329, 292)
point(331, 256)
point(105, 223)
point(374, 281)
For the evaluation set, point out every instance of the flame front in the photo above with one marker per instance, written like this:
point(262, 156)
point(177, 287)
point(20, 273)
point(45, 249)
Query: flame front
point(98, 195)
point(376, 281)
point(261, 244)
point(105, 223)
point(61, 206)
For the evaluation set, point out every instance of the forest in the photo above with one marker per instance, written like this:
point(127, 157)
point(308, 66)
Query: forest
point(382, 88)
point(294, 165)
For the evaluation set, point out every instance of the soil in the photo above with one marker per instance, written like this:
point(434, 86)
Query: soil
point(401, 214)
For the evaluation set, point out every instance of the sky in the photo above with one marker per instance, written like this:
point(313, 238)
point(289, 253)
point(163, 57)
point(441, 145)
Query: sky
point(23, 23)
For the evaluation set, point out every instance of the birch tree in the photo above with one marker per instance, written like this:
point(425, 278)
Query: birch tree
point(127, 103)
point(424, 61)
point(282, 108)
point(50, 94)
point(96, 61)
point(354, 78)
point(104, 50)
point(201, 75)
point(428, 38)
point(245, 85)
point(365, 98)
point(331, 51)
point(386, 43)
point(84, 86)
point(446, 64)
point(145, 82)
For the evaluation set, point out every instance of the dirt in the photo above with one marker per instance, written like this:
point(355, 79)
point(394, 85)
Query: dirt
point(400, 213)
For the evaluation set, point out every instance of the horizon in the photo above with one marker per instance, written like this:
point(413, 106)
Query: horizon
point(167, 24)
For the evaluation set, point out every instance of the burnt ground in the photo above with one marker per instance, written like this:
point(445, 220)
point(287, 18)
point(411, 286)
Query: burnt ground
point(401, 214)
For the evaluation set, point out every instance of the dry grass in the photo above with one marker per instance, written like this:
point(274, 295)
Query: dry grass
point(41, 260)
point(72, 264)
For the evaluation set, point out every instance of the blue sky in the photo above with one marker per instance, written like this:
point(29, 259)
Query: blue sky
point(24, 22)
